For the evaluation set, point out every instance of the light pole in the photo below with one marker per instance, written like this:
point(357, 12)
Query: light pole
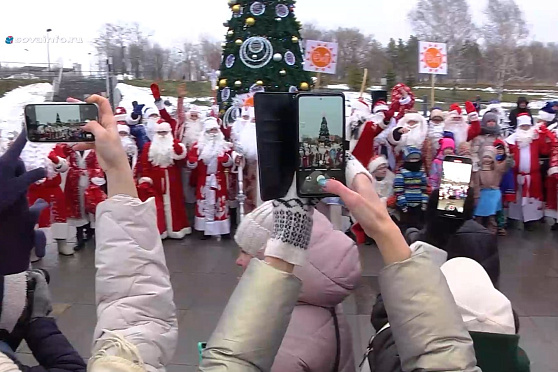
point(90, 72)
point(48, 48)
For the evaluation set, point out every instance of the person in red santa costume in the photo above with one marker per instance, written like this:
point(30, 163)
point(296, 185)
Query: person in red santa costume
point(381, 143)
point(211, 155)
point(527, 144)
point(362, 128)
point(129, 144)
point(411, 130)
point(94, 194)
point(81, 163)
point(245, 154)
point(44, 155)
point(161, 164)
point(552, 179)
point(456, 127)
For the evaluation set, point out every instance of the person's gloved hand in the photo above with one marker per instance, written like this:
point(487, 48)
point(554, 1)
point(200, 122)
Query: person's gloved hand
point(292, 228)
point(17, 229)
point(177, 148)
point(53, 157)
point(156, 92)
point(471, 111)
point(138, 110)
point(41, 303)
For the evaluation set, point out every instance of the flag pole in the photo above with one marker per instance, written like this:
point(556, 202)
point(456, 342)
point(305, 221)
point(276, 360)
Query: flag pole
point(363, 85)
point(432, 95)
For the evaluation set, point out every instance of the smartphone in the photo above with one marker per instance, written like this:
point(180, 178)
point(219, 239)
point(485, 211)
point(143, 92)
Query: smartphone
point(201, 347)
point(276, 132)
point(321, 142)
point(59, 122)
point(456, 178)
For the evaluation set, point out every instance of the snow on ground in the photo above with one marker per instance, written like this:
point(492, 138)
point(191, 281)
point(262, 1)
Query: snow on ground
point(11, 105)
point(142, 95)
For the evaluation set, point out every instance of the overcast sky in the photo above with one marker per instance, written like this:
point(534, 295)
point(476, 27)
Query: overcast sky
point(173, 21)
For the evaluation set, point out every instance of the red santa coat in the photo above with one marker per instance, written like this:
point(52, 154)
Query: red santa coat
point(552, 181)
point(167, 184)
point(146, 191)
point(49, 189)
point(364, 148)
point(212, 213)
point(77, 181)
point(94, 195)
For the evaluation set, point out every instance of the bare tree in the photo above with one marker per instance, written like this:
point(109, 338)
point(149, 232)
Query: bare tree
point(503, 32)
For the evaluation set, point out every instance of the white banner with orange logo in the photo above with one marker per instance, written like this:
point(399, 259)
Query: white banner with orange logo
point(433, 58)
point(320, 56)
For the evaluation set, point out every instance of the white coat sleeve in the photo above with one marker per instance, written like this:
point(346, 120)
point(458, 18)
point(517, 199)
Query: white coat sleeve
point(133, 291)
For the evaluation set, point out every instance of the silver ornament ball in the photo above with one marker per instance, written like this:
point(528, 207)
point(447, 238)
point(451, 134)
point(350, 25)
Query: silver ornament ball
point(277, 57)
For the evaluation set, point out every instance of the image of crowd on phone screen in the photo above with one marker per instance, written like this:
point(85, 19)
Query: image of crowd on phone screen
point(189, 175)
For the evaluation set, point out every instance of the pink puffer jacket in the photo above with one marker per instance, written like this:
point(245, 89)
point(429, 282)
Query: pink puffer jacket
point(331, 273)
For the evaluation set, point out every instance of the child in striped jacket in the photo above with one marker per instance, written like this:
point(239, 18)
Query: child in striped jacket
point(410, 188)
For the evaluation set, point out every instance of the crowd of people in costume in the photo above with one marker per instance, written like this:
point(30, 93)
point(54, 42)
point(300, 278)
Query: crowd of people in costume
point(131, 189)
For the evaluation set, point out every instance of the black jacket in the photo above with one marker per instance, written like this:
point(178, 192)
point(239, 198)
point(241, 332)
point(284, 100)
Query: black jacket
point(50, 348)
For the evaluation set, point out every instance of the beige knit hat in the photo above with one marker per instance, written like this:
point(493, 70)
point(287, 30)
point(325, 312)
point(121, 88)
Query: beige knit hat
point(255, 229)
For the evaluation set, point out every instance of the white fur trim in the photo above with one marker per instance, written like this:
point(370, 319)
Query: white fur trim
point(179, 234)
point(212, 228)
point(14, 300)
point(229, 162)
point(412, 116)
point(192, 165)
point(353, 168)
point(123, 128)
point(163, 127)
point(375, 163)
point(181, 156)
point(160, 104)
point(380, 108)
point(59, 230)
point(145, 180)
point(210, 123)
point(121, 117)
point(552, 170)
point(543, 115)
point(131, 121)
point(405, 101)
point(62, 165)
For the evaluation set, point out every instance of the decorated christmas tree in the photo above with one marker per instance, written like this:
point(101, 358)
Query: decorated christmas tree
point(324, 132)
point(262, 51)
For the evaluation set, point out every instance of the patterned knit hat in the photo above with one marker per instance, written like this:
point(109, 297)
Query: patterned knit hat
point(255, 229)
point(410, 153)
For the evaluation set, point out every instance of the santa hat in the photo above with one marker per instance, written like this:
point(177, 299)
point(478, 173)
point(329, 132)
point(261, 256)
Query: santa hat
point(97, 177)
point(447, 143)
point(411, 116)
point(255, 229)
point(163, 126)
point(482, 307)
point(194, 108)
point(380, 106)
point(148, 111)
point(455, 109)
point(119, 111)
point(360, 105)
point(547, 113)
point(525, 119)
point(436, 112)
point(123, 128)
point(210, 123)
point(376, 162)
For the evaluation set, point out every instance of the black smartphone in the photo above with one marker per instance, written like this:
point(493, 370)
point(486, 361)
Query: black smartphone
point(321, 139)
point(454, 187)
point(276, 122)
point(59, 122)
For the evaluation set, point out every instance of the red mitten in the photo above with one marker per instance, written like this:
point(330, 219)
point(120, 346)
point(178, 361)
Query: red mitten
point(177, 148)
point(469, 107)
point(53, 157)
point(155, 91)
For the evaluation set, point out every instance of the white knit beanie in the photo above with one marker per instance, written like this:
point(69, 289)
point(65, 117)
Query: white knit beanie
point(255, 229)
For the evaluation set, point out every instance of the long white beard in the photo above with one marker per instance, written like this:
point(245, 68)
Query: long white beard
point(415, 137)
point(248, 141)
point(459, 131)
point(435, 132)
point(150, 128)
point(192, 132)
point(161, 152)
point(36, 156)
point(525, 137)
point(211, 147)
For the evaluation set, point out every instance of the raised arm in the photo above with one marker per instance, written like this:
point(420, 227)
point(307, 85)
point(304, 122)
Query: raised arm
point(162, 110)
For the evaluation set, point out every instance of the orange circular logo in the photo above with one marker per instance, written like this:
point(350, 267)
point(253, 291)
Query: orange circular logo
point(321, 57)
point(433, 58)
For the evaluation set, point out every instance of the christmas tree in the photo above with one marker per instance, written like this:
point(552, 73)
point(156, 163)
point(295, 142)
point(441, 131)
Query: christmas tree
point(324, 132)
point(262, 51)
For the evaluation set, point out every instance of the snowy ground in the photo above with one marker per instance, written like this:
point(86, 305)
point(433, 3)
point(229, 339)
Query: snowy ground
point(11, 105)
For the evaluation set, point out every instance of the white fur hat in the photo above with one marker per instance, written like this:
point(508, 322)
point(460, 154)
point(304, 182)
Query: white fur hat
point(120, 117)
point(525, 119)
point(412, 116)
point(360, 105)
point(123, 128)
point(247, 111)
point(376, 162)
point(148, 111)
point(255, 229)
point(210, 123)
point(163, 126)
point(482, 307)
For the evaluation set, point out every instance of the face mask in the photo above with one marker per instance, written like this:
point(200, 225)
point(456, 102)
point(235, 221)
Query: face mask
point(413, 166)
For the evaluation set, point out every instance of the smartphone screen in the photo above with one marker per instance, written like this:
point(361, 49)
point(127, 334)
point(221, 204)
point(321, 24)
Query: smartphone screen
point(456, 177)
point(59, 122)
point(277, 142)
point(321, 137)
